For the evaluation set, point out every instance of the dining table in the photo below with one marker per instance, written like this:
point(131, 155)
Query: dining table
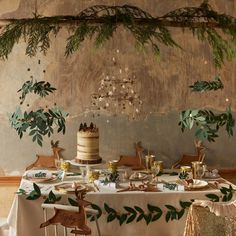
point(123, 211)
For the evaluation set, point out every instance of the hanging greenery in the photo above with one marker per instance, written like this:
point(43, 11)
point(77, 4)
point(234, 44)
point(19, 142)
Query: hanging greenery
point(41, 122)
point(207, 123)
point(42, 88)
point(100, 22)
point(203, 86)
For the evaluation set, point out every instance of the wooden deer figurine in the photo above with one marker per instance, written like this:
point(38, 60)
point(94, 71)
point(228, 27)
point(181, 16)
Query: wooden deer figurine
point(47, 161)
point(187, 159)
point(133, 161)
point(72, 219)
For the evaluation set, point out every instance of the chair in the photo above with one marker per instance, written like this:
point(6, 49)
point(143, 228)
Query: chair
point(70, 216)
point(187, 160)
point(206, 218)
point(135, 162)
point(47, 161)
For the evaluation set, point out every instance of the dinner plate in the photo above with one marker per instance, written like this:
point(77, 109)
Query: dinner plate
point(138, 177)
point(68, 188)
point(40, 180)
point(198, 184)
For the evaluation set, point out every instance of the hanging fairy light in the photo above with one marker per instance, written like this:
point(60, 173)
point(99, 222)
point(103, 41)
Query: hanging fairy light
point(117, 93)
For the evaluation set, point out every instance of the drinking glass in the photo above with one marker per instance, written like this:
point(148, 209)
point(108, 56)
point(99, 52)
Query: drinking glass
point(201, 171)
point(83, 172)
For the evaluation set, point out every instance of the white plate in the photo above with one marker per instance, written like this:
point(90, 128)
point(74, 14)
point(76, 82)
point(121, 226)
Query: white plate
point(40, 180)
point(139, 177)
point(67, 187)
point(198, 184)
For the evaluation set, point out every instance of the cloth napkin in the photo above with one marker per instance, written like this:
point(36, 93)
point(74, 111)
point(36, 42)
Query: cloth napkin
point(110, 187)
point(42, 174)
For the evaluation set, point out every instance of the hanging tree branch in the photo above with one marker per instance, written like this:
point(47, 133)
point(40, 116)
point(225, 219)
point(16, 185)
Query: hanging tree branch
point(100, 22)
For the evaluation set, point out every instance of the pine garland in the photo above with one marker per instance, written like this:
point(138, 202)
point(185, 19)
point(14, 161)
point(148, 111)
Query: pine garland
point(101, 21)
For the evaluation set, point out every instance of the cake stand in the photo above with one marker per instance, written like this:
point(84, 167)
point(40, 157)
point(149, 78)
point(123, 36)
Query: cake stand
point(88, 166)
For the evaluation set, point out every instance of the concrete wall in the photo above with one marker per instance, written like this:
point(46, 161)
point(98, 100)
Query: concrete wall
point(163, 87)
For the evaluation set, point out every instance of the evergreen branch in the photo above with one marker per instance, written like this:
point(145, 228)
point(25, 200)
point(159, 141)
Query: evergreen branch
point(203, 86)
point(100, 22)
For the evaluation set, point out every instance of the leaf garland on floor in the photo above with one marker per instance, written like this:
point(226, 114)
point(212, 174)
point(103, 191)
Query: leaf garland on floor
point(101, 21)
point(41, 122)
point(207, 123)
point(203, 86)
point(133, 214)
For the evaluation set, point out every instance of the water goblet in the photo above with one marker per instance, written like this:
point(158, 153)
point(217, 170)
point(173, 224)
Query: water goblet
point(83, 172)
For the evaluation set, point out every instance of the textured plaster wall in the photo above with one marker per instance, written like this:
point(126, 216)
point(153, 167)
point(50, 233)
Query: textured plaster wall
point(163, 86)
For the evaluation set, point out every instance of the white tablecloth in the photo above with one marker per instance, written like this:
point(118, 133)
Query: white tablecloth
point(26, 216)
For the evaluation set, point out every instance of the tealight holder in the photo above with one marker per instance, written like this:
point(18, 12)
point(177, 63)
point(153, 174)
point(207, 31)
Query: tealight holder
point(112, 166)
point(65, 166)
point(93, 175)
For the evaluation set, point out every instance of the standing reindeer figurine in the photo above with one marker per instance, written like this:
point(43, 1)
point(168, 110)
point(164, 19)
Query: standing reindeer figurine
point(72, 219)
point(47, 161)
point(135, 162)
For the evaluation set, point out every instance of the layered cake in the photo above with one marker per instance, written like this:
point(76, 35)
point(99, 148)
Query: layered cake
point(88, 145)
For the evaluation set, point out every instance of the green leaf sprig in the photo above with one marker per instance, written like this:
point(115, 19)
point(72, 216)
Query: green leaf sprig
point(34, 194)
point(38, 123)
point(52, 198)
point(203, 86)
point(42, 88)
point(207, 123)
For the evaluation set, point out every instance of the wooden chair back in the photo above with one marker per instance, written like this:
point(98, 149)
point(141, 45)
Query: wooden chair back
point(71, 216)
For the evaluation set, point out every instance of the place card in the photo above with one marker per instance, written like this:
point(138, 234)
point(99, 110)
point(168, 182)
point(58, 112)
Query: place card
point(169, 187)
point(41, 174)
